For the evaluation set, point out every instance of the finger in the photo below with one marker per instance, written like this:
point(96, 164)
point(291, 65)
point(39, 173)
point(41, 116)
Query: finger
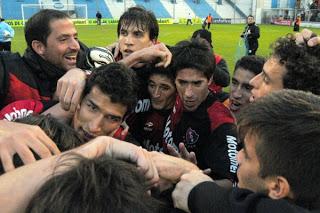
point(206, 171)
point(7, 163)
point(63, 91)
point(168, 59)
point(306, 34)
point(192, 157)
point(44, 139)
point(183, 151)
point(76, 98)
point(172, 151)
point(59, 87)
point(68, 97)
point(314, 41)
point(26, 155)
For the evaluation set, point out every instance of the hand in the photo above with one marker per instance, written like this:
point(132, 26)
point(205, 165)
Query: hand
point(171, 168)
point(124, 151)
point(183, 188)
point(307, 35)
point(158, 52)
point(115, 47)
point(184, 154)
point(20, 138)
point(69, 89)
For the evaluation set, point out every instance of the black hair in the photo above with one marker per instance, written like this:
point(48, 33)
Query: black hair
point(252, 63)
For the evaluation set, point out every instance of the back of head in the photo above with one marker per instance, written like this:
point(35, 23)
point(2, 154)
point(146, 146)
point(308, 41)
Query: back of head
point(94, 185)
point(203, 33)
point(142, 19)
point(301, 62)
point(194, 54)
point(38, 26)
point(252, 63)
point(286, 124)
point(64, 136)
point(115, 80)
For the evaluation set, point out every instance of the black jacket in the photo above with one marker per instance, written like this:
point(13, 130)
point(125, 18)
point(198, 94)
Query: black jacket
point(252, 37)
point(208, 197)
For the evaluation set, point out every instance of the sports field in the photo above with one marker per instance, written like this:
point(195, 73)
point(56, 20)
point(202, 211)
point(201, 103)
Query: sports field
point(225, 37)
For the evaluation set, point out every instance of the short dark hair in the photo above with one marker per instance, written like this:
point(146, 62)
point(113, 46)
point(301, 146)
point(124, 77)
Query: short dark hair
point(94, 185)
point(195, 54)
point(38, 26)
point(203, 33)
point(286, 124)
point(302, 64)
point(115, 80)
point(252, 63)
point(142, 18)
point(63, 135)
point(163, 71)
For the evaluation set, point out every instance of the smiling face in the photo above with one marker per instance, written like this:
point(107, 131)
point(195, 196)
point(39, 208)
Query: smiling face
point(62, 45)
point(162, 92)
point(269, 80)
point(240, 89)
point(192, 86)
point(132, 38)
point(97, 115)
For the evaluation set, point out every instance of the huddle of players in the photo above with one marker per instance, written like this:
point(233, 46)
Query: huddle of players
point(175, 110)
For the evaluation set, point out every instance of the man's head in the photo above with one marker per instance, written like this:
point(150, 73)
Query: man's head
point(52, 35)
point(281, 147)
point(109, 93)
point(240, 90)
point(94, 185)
point(291, 66)
point(204, 34)
point(193, 64)
point(137, 29)
point(161, 88)
point(250, 19)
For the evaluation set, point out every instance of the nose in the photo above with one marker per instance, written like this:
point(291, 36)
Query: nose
point(95, 125)
point(156, 93)
point(128, 40)
point(236, 92)
point(255, 81)
point(240, 156)
point(189, 91)
point(74, 44)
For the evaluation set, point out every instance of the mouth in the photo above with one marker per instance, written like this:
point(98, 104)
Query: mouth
point(87, 136)
point(234, 105)
point(71, 58)
point(127, 52)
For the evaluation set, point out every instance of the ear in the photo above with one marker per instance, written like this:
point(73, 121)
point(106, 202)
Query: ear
point(154, 41)
point(278, 187)
point(38, 47)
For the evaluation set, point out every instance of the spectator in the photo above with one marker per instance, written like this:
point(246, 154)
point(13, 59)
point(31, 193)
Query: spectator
point(6, 35)
point(99, 17)
point(251, 34)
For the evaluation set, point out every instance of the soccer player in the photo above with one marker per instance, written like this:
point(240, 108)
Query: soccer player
point(199, 120)
point(245, 69)
point(294, 64)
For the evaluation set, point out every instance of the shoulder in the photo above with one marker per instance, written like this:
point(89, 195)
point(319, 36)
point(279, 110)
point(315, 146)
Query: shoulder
point(219, 114)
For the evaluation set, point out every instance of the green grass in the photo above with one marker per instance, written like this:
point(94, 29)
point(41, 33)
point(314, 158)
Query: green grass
point(225, 37)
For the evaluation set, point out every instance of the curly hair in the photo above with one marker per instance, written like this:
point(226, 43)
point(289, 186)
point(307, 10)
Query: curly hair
point(115, 80)
point(301, 62)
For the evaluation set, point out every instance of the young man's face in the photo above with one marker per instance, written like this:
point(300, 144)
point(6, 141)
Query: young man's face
point(97, 115)
point(250, 20)
point(240, 89)
point(162, 92)
point(192, 86)
point(269, 80)
point(132, 39)
point(249, 166)
point(62, 44)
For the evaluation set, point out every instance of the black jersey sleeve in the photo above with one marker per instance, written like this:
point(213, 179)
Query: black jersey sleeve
point(221, 151)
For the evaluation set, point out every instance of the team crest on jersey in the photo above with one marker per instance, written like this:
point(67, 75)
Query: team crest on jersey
point(191, 137)
point(148, 126)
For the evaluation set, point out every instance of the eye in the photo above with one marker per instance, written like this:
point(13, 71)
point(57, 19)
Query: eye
point(91, 106)
point(248, 87)
point(234, 82)
point(123, 32)
point(113, 119)
point(164, 88)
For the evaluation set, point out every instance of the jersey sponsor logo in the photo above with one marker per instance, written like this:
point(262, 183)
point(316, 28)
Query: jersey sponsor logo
point(148, 127)
point(232, 153)
point(152, 147)
point(16, 114)
point(191, 137)
point(167, 135)
point(142, 105)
